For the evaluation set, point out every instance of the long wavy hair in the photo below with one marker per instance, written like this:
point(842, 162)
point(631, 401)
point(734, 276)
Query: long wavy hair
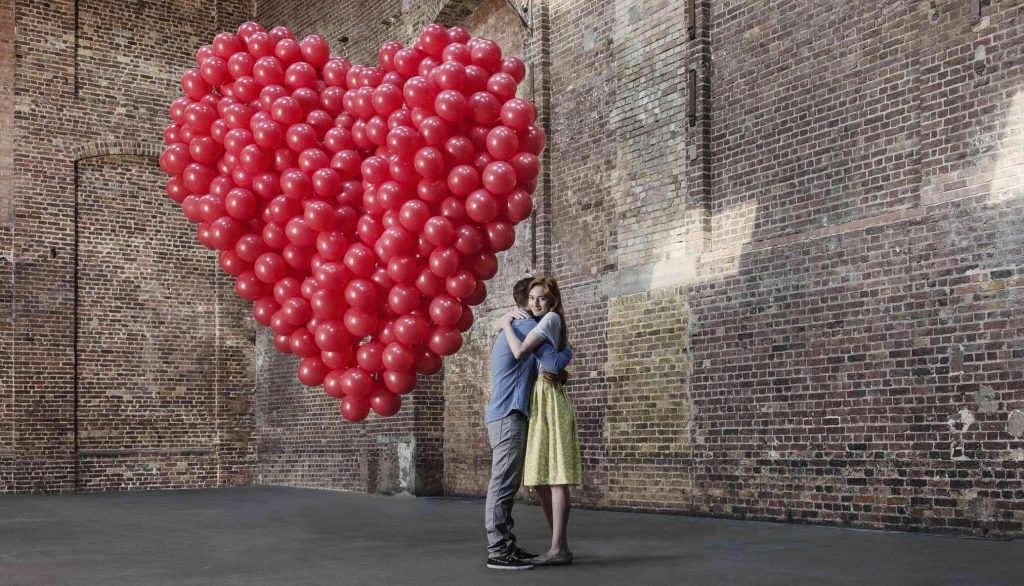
point(550, 287)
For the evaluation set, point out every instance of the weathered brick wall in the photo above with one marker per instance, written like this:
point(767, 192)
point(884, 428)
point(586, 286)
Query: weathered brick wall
point(125, 360)
point(6, 252)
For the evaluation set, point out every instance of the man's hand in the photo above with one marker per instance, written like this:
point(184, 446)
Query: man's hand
point(560, 378)
point(507, 318)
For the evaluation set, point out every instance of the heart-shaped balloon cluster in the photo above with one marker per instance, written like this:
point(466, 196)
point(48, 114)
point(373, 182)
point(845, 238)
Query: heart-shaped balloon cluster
point(360, 208)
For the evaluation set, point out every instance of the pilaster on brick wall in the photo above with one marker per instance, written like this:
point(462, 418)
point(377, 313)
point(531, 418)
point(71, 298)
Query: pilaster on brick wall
point(91, 87)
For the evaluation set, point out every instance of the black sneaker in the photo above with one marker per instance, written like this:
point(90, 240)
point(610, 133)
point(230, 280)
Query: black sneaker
point(522, 554)
point(508, 561)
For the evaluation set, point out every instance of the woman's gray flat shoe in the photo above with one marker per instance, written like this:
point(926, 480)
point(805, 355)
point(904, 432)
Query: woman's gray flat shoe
point(562, 559)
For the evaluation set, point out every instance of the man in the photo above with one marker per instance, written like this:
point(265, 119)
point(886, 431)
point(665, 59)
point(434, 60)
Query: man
point(507, 420)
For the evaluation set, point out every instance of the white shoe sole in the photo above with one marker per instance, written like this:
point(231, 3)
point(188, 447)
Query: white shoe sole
point(493, 567)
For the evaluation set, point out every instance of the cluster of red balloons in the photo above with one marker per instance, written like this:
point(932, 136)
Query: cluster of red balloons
point(359, 208)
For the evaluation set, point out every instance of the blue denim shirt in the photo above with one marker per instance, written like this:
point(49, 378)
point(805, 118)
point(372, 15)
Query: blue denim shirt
point(512, 380)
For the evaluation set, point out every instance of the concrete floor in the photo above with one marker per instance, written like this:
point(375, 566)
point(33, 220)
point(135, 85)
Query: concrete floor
point(275, 535)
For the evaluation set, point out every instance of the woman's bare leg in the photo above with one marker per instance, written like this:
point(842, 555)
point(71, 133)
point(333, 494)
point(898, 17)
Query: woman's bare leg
point(559, 520)
point(544, 494)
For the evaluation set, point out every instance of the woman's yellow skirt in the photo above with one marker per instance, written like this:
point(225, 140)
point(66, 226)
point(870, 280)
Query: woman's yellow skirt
point(552, 444)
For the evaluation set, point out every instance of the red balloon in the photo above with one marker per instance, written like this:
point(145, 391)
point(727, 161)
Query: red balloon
point(387, 98)
point(331, 246)
point(461, 284)
point(432, 191)
point(427, 362)
point(463, 179)
point(466, 321)
point(403, 269)
point(450, 105)
point(457, 52)
point(315, 50)
point(175, 158)
point(439, 231)
point(369, 356)
point(413, 215)
point(299, 232)
point(296, 311)
point(282, 327)
point(214, 70)
point(477, 296)
point(399, 383)
point(450, 76)
point(468, 239)
point(338, 360)
point(434, 38)
point(240, 64)
point(333, 383)
point(320, 216)
point(398, 357)
point(483, 264)
point(299, 74)
point(264, 309)
point(300, 137)
point(517, 113)
point(224, 233)
point(361, 294)
point(518, 206)
point(386, 55)
point(502, 143)
point(335, 72)
point(286, 288)
point(485, 53)
point(403, 298)
point(514, 67)
point(356, 382)
point(281, 343)
point(355, 409)
point(193, 84)
point(445, 341)
point(302, 344)
point(429, 284)
point(331, 336)
point(429, 162)
point(444, 261)
point(476, 79)
point(360, 260)
point(445, 310)
point(245, 88)
point(453, 209)
point(481, 207)
point(499, 178)
point(500, 235)
point(331, 275)
point(312, 371)
point(502, 85)
point(384, 402)
point(231, 264)
point(327, 304)
point(532, 139)
point(411, 330)
point(225, 44)
point(360, 322)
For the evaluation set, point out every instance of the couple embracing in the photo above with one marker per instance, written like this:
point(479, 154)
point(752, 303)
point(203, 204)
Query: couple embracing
point(531, 425)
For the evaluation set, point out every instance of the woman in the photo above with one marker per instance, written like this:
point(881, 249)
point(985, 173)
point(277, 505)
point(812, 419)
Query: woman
point(552, 445)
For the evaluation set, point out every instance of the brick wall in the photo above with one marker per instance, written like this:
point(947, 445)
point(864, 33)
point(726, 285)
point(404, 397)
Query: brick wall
point(125, 358)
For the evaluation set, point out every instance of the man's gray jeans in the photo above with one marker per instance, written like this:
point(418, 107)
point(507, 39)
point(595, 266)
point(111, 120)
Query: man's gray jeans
point(508, 449)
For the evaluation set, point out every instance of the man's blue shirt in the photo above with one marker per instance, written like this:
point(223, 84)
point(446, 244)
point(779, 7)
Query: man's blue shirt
point(511, 379)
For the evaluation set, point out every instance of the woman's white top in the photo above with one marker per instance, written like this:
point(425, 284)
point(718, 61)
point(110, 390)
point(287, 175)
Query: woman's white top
point(550, 326)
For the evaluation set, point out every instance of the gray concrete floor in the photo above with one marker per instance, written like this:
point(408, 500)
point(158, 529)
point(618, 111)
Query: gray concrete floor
point(275, 535)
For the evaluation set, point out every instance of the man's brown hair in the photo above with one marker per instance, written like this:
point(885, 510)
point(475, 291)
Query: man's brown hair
point(521, 291)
